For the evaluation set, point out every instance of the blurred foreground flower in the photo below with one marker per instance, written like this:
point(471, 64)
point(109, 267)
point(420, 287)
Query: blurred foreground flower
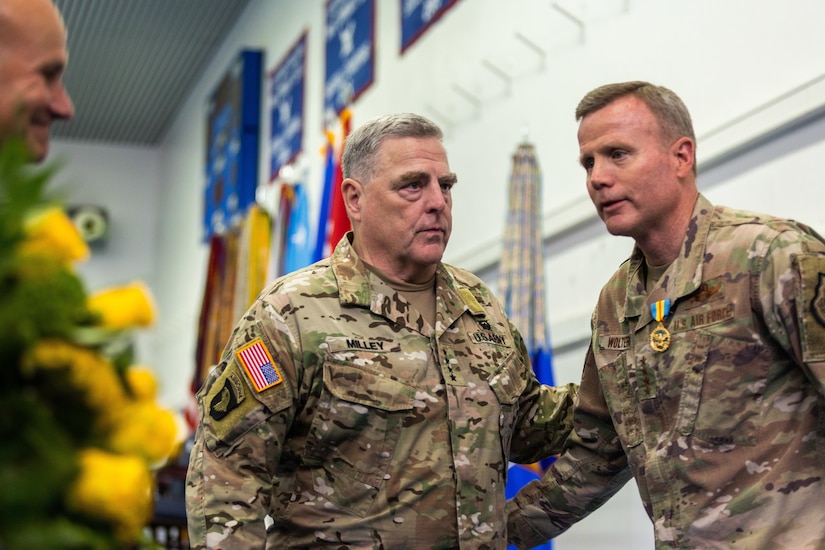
point(124, 307)
point(80, 430)
point(141, 382)
point(90, 381)
point(51, 233)
point(145, 430)
point(115, 488)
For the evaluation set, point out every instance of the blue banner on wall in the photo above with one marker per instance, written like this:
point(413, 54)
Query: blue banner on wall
point(417, 16)
point(350, 52)
point(232, 140)
point(286, 99)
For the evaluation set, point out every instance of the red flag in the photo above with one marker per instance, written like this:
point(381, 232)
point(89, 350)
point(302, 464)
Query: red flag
point(338, 222)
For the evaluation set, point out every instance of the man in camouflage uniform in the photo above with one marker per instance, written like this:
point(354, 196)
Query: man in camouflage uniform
point(704, 375)
point(373, 399)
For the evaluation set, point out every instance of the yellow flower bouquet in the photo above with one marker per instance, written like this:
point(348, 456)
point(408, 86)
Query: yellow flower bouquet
point(80, 430)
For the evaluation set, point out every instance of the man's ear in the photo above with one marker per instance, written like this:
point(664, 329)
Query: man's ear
point(351, 191)
point(684, 153)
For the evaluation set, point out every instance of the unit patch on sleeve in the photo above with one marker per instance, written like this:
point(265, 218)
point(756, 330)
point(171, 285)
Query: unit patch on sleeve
point(228, 398)
point(811, 306)
point(258, 364)
point(818, 301)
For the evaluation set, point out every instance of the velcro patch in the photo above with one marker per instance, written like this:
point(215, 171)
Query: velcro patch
point(614, 341)
point(812, 305)
point(228, 397)
point(470, 301)
point(258, 364)
point(708, 291)
point(226, 404)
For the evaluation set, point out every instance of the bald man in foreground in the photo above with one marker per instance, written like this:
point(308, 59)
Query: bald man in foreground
point(33, 57)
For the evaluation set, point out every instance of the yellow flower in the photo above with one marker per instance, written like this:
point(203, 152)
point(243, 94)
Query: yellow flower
point(141, 382)
point(147, 430)
point(92, 374)
point(114, 488)
point(51, 233)
point(124, 307)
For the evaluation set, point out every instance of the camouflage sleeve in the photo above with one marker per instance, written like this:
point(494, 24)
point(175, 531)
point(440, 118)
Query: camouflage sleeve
point(546, 413)
point(245, 408)
point(791, 294)
point(545, 424)
point(591, 469)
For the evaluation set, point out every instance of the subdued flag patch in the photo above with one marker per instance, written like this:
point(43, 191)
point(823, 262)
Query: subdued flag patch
point(259, 365)
point(811, 306)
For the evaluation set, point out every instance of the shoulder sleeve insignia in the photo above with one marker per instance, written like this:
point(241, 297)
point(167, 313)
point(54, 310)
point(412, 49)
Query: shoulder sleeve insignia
point(818, 301)
point(228, 397)
point(812, 306)
point(259, 366)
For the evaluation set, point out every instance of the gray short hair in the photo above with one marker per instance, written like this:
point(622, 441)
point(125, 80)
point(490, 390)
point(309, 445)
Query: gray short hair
point(358, 159)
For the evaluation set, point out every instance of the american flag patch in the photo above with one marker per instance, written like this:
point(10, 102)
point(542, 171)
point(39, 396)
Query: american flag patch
point(259, 365)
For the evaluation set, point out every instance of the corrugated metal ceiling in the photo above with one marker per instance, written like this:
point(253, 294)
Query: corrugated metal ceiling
point(132, 63)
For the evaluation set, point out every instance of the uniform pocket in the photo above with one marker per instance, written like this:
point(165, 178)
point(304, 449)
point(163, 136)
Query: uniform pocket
point(507, 384)
point(621, 399)
point(722, 396)
point(355, 431)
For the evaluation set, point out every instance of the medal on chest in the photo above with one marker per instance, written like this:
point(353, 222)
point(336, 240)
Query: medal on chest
point(659, 336)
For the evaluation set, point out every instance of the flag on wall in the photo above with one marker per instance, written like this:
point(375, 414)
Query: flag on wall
point(350, 52)
point(280, 228)
point(521, 277)
point(333, 222)
point(326, 195)
point(237, 270)
point(286, 107)
point(521, 284)
point(252, 271)
point(232, 143)
point(418, 16)
point(298, 248)
point(338, 222)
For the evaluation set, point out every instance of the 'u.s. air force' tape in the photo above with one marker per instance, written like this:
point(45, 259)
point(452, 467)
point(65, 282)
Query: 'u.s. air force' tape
point(259, 365)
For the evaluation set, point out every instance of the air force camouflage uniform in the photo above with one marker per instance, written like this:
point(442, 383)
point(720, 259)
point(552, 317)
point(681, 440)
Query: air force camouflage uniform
point(335, 414)
point(724, 430)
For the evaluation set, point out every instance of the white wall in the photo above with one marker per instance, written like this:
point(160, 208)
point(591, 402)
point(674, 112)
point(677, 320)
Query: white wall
point(125, 181)
point(744, 69)
point(726, 59)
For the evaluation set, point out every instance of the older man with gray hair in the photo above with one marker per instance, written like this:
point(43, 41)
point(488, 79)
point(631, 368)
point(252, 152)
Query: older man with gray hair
point(373, 399)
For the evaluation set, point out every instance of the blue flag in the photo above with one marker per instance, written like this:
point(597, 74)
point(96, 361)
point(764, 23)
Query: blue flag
point(323, 215)
point(298, 248)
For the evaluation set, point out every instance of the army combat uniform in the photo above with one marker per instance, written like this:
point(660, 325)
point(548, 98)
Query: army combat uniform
point(337, 418)
point(716, 408)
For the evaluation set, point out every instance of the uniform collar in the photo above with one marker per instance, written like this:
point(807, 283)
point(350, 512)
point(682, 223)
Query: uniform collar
point(682, 277)
point(359, 288)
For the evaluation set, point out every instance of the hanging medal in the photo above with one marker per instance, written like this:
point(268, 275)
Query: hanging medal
point(659, 336)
